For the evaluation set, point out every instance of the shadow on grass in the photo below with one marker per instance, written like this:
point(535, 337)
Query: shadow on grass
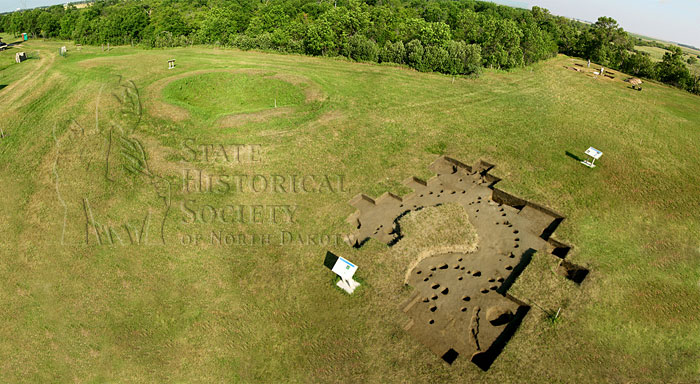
point(2, 86)
point(571, 155)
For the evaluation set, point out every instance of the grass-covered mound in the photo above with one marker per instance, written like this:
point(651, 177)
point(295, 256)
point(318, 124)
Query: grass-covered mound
point(211, 95)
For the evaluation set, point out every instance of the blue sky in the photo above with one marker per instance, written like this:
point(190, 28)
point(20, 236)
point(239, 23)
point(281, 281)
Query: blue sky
point(674, 20)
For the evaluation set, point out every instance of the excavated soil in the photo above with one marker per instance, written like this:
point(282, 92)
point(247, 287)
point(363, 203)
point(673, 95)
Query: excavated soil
point(460, 304)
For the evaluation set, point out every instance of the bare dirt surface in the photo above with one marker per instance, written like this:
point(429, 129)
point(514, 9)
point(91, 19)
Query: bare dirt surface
point(460, 304)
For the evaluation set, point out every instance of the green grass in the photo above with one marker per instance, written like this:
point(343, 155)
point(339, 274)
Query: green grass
point(7, 58)
point(183, 313)
point(212, 95)
point(657, 55)
point(689, 51)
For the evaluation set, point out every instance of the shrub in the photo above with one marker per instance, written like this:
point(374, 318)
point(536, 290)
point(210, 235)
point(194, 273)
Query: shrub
point(243, 42)
point(361, 48)
point(639, 64)
point(279, 39)
point(414, 54)
point(435, 59)
point(295, 46)
point(319, 39)
point(263, 41)
point(456, 51)
point(393, 53)
point(472, 59)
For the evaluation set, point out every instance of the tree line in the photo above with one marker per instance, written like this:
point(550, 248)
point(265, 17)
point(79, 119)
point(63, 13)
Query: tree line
point(447, 36)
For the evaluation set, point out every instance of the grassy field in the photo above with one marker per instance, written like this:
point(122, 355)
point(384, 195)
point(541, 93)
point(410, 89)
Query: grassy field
point(687, 50)
point(223, 94)
point(91, 147)
point(657, 54)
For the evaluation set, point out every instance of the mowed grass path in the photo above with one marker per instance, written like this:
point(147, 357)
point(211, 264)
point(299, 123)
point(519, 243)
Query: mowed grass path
point(270, 314)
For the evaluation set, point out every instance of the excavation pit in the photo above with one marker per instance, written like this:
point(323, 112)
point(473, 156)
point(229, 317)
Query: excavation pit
point(477, 317)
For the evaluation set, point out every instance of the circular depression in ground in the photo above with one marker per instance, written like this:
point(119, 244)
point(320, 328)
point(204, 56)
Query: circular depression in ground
point(211, 95)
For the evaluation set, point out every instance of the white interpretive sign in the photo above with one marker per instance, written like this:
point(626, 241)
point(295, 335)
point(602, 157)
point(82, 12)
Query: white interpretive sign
point(343, 268)
point(594, 155)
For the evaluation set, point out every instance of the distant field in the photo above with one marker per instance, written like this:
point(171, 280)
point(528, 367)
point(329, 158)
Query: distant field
point(657, 54)
point(91, 147)
point(687, 50)
point(690, 51)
